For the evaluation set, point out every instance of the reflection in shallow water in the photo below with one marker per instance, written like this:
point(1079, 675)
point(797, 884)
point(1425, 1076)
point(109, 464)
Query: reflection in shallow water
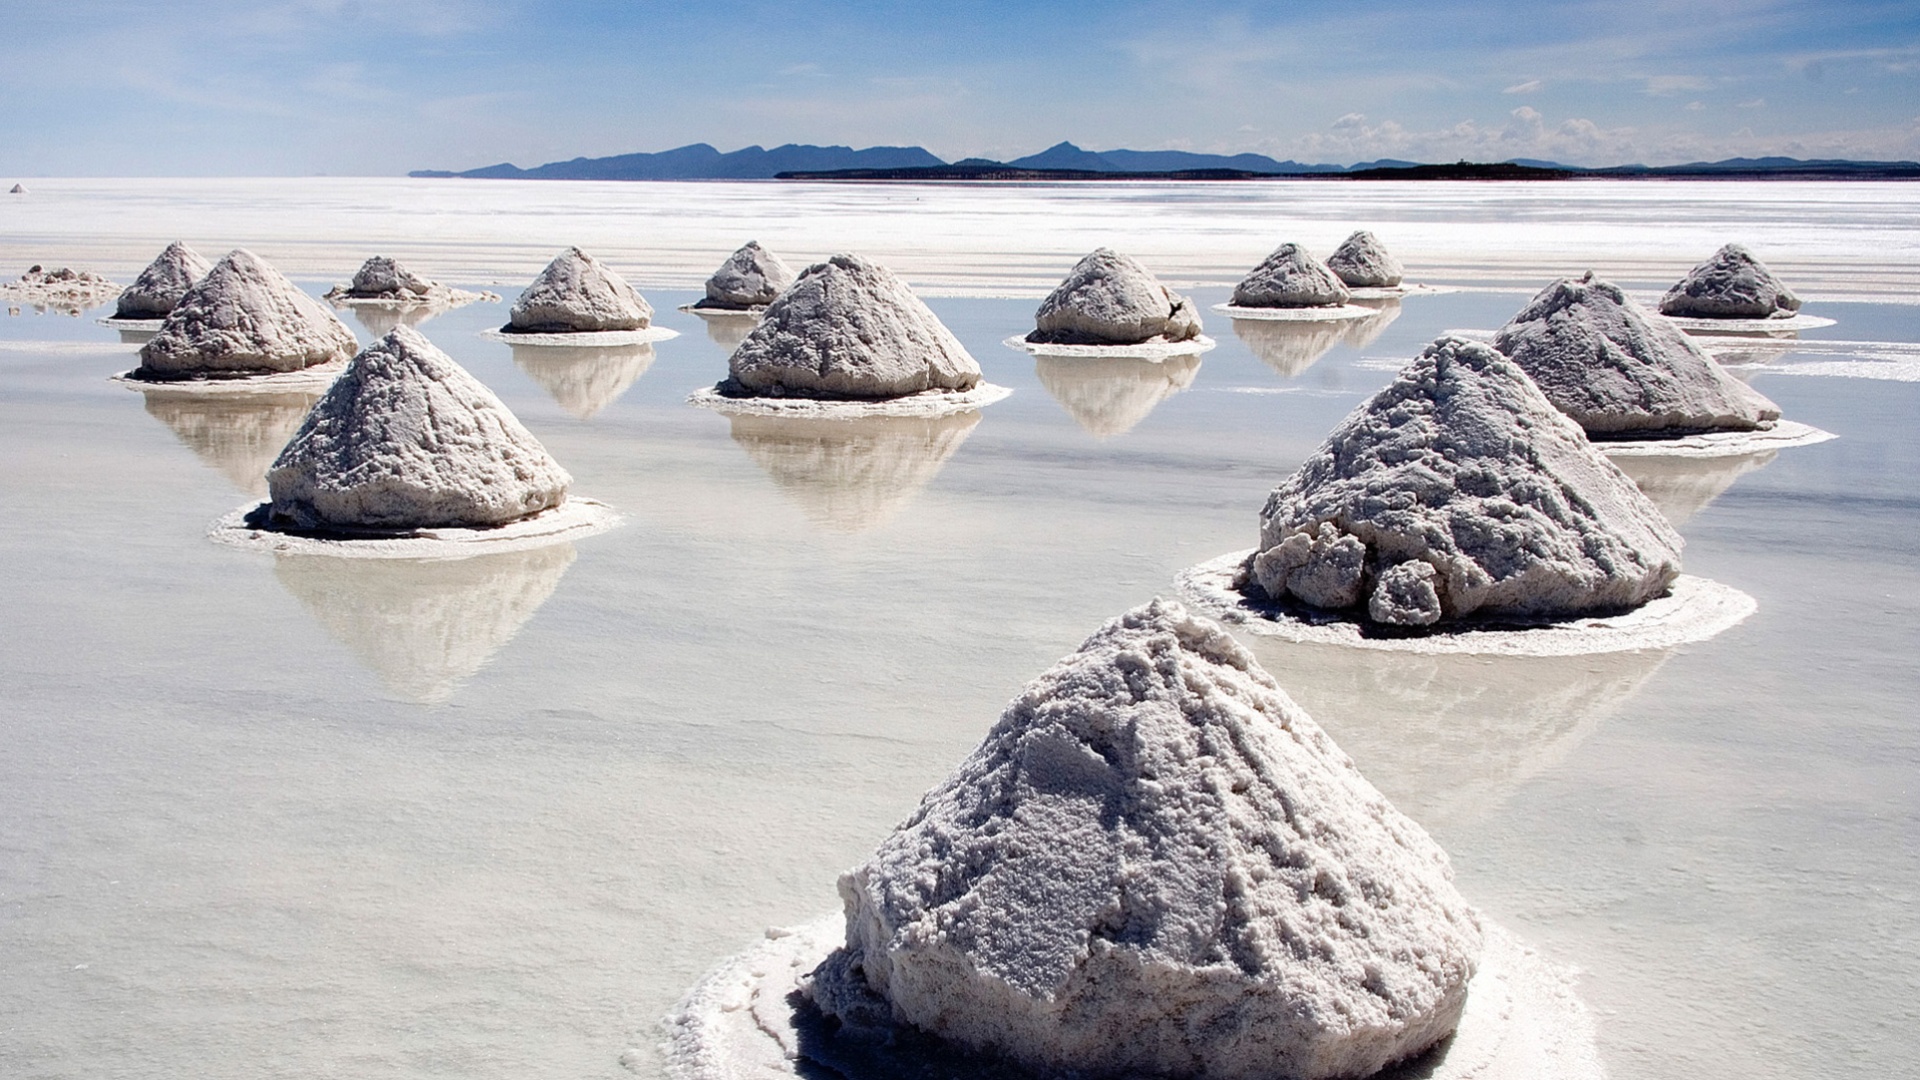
point(584, 380)
point(381, 320)
point(1108, 396)
point(728, 331)
point(424, 625)
point(851, 475)
point(1361, 333)
point(134, 337)
point(1448, 738)
point(1682, 487)
point(1288, 347)
point(1743, 353)
point(238, 434)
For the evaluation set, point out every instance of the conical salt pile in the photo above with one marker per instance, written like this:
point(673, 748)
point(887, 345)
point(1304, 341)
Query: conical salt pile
point(1459, 489)
point(1109, 299)
point(1362, 262)
point(1603, 361)
point(1290, 278)
point(407, 439)
point(1731, 285)
point(161, 285)
point(382, 277)
point(577, 293)
point(18, 189)
point(750, 278)
point(849, 329)
point(242, 318)
point(1157, 864)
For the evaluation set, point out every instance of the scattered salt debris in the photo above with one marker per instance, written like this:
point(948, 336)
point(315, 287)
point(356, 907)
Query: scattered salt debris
point(1109, 396)
point(1618, 370)
point(1362, 261)
point(243, 318)
point(161, 285)
point(1110, 299)
point(1290, 278)
point(749, 279)
point(1458, 490)
point(1731, 285)
point(66, 290)
point(577, 293)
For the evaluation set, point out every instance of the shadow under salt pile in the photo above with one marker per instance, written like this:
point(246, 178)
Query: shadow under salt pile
point(1108, 396)
point(850, 475)
point(238, 434)
point(584, 380)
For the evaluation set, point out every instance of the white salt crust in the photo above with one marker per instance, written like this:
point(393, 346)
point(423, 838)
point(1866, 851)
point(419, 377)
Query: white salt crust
point(1783, 434)
point(571, 520)
point(753, 312)
point(1523, 1021)
point(926, 403)
point(586, 337)
point(442, 298)
point(1394, 292)
point(1300, 314)
point(1693, 609)
point(132, 324)
point(1145, 350)
point(317, 377)
point(1749, 326)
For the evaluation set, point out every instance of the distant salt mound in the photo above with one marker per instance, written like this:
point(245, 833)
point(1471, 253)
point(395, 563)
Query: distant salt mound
point(1290, 278)
point(65, 289)
point(1157, 864)
point(407, 439)
point(243, 318)
point(1459, 490)
point(1109, 299)
point(161, 285)
point(1731, 285)
point(18, 189)
point(749, 279)
point(848, 329)
point(1616, 370)
point(383, 278)
point(1362, 262)
point(577, 293)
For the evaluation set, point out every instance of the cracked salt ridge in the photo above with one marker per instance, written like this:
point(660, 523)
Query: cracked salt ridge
point(1326, 313)
point(571, 520)
point(1144, 350)
point(317, 377)
point(927, 403)
point(1693, 609)
point(745, 1020)
point(643, 336)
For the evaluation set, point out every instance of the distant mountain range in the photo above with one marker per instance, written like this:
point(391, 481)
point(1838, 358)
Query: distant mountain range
point(1066, 161)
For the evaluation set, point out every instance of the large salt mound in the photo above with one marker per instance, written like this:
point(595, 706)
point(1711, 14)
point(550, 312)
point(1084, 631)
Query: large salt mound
point(407, 439)
point(1602, 360)
point(1731, 285)
point(1290, 278)
point(1156, 863)
point(750, 278)
point(242, 318)
point(1459, 489)
point(1109, 299)
point(577, 293)
point(849, 329)
point(161, 285)
point(1362, 262)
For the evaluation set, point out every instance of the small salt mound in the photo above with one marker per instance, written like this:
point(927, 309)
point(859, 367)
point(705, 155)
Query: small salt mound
point(18, 189)
point(242, 318)
point(1290, 278)
point(750, 278)
point(1156, 863)
point(161, 285)
point(1457, 490)
point(1109, 299)
point(407, 439)
point(1362, 262)
point(577, 293)
point(849, 329)
point(1731, 285)
point(1615, 369)
point(385, 278)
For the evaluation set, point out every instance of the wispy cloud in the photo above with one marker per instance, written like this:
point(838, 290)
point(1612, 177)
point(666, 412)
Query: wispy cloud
point(1676, 84)
point(1527, 87)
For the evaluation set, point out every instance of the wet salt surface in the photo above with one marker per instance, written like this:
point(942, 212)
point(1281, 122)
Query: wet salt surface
point(268, 817)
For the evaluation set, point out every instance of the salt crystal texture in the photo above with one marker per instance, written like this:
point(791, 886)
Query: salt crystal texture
point(1109, 299)
point(1362, 262)
point(1731, 285)
point(1157, 863)
point(1290, 278)
point(385, 278)
point(244, 317)
point(1617, 369)
point(750, 278)
point(161, 285)
point(849, 329)
point(406, 439)
point(577, 293)
point(1462, 464)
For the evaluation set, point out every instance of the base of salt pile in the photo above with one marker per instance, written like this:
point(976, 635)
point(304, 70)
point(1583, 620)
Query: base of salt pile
point(746, 1020)
point(927, 403)
point(1774, 324)
point(1145, 350)
point(1782, 435)
point(1393, 292)
point(132, 324)
point(1327, 313)
point(643, 336)
point(708, 309)
point(318, 377)
point(441, 297)
point(1693, 609)
point(247, 528)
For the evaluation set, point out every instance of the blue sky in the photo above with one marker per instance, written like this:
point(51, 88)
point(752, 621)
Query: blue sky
point(297, 87)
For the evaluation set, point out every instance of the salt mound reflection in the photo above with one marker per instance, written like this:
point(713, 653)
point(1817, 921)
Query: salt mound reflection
point(1683, 486)
point(425, 625)
point(584, 379)
point(381, 320)
point(850, 475)
point(1288, 347)
point(237, 434)
point(1109, 395)
point(728, 331)
point(1449, 737)
point(1361, 333)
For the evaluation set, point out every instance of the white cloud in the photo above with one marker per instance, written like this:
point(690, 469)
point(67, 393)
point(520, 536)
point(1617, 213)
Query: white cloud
point(1527, 87)
point(1695, 106)
point(1674, 84)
